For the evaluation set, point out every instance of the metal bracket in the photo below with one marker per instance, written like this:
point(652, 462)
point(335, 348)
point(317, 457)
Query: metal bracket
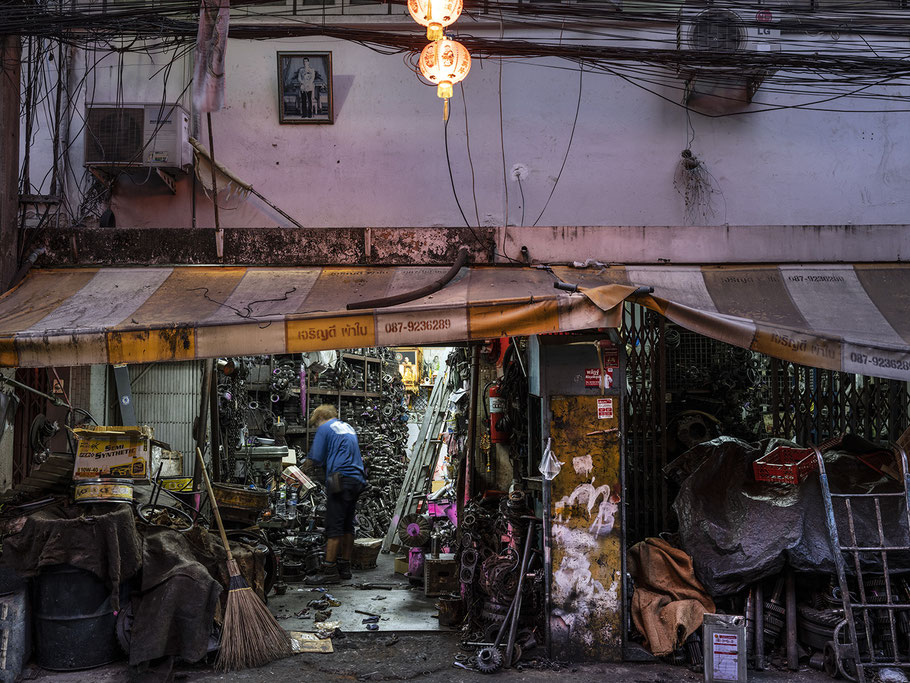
point(168, 180)
point(753, 83)
point(103, 176)
point(125, 394)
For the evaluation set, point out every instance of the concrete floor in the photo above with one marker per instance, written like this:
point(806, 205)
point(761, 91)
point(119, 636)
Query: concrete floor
point(401, 607)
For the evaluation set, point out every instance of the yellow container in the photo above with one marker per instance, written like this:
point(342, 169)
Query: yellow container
point(177, 483)
point(104, 491)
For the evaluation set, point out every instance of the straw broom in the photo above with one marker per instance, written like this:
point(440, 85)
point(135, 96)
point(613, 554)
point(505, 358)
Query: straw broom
point(251, 636)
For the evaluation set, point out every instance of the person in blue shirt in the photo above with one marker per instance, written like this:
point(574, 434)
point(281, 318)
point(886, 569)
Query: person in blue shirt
point(335, 447)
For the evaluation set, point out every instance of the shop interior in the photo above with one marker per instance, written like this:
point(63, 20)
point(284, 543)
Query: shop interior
point(487, 463)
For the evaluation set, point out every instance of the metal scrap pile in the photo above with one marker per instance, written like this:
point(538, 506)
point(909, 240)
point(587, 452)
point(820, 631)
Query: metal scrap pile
point(383, 434)
point(490, 573)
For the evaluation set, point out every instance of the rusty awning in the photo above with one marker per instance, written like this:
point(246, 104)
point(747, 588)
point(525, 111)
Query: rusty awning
point(854, 318)
point(82, 316)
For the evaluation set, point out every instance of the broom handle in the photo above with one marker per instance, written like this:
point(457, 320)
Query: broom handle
point(214, 504)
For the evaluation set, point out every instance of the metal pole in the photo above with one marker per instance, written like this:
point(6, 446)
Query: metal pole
point(792, 652)
point(547, 565)
point(759, 627)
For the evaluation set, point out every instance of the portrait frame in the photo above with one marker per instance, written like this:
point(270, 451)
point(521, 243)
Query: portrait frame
point(305, 87)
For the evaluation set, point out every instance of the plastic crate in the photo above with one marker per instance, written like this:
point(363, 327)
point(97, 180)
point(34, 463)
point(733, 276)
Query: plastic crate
point(785, 465)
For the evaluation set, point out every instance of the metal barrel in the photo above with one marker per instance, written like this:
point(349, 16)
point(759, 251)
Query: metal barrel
point(75, 625)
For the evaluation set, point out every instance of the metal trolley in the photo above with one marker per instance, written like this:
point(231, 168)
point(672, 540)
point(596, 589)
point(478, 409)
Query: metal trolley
point(877, 614)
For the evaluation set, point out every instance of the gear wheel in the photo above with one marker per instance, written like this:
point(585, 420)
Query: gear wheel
point(488, 660)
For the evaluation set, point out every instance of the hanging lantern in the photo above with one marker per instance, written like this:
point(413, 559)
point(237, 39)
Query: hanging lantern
point(445, 62)
point(435, 14)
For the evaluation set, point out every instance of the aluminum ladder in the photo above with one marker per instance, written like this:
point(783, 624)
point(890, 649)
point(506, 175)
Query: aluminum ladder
point(424, 457)
point(866, 612)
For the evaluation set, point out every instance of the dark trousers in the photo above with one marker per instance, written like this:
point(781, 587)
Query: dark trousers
point(306, 101)
point(340, 507)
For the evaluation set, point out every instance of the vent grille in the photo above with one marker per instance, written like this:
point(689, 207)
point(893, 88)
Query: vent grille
point(717, 30)
point(114, 135)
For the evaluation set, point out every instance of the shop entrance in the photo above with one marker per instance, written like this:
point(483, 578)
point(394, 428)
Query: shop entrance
point(403, 404)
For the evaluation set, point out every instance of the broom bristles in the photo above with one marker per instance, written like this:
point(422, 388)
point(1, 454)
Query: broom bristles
point(251, 635)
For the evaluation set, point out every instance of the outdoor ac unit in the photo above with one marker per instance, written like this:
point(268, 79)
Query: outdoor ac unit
point(722, 81)
point(137, 135)
point(719, 29)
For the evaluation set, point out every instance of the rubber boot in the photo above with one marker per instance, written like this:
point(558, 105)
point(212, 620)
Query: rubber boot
point(327, 574)
point(344, 569)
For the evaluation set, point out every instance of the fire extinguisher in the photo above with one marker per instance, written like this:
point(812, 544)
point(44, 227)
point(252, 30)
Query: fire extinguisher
point(497, 414)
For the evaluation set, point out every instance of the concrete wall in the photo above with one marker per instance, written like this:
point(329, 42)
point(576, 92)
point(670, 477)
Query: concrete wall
point(383, 161)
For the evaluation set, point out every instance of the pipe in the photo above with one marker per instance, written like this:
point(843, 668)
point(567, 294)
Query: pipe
point(792, 651)
point(548, 565)
point(759, 627)
point(382, 302)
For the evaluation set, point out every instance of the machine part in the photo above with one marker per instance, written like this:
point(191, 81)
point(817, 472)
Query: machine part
point(165, 516)
point(817, 661)
point(39, 435)
point(125, 392)
point(414, 530)
point(775, 614)
point(488, 660)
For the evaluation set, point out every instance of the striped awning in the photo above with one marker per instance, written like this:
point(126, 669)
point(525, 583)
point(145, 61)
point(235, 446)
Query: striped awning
point(854, 318)
point(83, 316)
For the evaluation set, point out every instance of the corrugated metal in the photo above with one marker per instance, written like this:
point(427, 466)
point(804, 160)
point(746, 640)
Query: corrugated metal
point(166, 397)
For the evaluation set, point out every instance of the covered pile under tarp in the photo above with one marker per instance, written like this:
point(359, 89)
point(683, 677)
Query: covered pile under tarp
point(178, 576)
point(739, 530)
point(107, 545)
point(669, 603)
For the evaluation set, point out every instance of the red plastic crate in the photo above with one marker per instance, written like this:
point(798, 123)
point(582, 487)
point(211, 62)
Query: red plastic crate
point(786, 465)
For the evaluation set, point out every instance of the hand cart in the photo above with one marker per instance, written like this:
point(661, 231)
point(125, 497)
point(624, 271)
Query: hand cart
point(879, 609)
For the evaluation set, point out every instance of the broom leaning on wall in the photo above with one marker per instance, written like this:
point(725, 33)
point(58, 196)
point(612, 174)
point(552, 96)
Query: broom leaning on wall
point(250, 636)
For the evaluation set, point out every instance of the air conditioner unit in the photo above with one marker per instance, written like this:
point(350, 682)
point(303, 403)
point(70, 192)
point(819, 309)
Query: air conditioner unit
point(721, 33)
point(719, 30)
point(137, 135)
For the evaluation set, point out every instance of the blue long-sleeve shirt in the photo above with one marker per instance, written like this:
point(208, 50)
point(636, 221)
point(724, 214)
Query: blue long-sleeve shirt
point(336, 448)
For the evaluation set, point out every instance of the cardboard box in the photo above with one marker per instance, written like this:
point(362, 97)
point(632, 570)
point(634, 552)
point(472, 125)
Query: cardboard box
point(120, 452)
point(401, 564)
point(170, 462)
point(440, 575)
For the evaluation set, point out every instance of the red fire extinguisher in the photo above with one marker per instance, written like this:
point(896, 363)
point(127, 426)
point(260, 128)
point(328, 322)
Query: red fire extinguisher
point(497, 414)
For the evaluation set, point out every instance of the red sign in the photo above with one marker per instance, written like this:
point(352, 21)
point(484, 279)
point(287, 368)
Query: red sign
point(592, 377)
point(604, 408)
point(611, 357)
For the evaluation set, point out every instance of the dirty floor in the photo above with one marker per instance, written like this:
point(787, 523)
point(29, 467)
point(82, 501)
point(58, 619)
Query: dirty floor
point(414, 657)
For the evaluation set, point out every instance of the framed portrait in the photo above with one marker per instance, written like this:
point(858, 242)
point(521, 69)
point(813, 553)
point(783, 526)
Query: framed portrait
point(305, 87)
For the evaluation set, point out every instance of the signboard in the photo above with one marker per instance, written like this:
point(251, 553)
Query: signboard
point(592, 378)
point(611, 357)
point(604, 408)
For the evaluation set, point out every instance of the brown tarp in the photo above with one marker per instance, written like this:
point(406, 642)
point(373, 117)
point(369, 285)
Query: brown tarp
point(669, 603)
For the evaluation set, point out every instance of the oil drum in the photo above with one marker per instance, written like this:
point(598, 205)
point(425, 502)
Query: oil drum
point(75, 625)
